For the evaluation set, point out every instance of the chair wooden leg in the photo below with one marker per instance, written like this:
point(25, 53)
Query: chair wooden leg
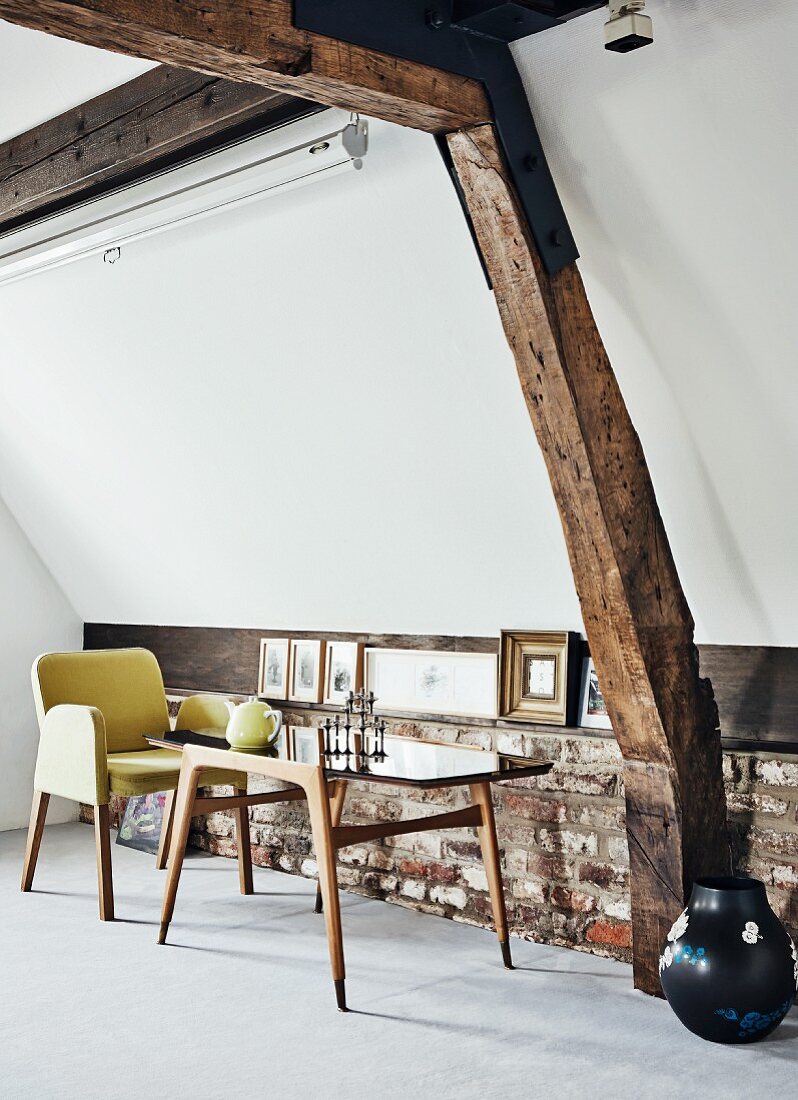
point(166, 830)
point(38, 813)
point(336, 812)
point(184, 804)
point(321, 826)
point(105, 885)
point(241, 816)
point(481, 796)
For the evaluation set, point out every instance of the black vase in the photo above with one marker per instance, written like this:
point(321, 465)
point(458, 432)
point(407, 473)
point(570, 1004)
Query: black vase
point(729, 968)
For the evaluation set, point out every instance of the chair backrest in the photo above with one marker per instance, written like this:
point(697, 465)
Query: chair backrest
point(125, 685)
point(202, 712)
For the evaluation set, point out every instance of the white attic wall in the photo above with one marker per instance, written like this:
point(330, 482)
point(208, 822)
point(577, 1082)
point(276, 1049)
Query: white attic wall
point(678, 166)
point(35, 616)
point(302, 414)
point(181, 434)
point(34, 613)
point(42, 76)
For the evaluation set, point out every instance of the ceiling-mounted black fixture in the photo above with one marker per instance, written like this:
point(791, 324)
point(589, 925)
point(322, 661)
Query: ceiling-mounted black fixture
point(470, 38)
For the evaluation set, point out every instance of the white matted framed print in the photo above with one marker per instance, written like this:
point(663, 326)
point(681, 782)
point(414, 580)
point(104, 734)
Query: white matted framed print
point(432, 681)
point(592, 708)
point(273, 668)
point(306, 670)
point(343, 671)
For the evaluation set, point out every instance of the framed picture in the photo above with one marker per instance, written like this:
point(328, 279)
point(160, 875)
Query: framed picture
point(301, 743)
point(539, 676)
point(343, 671)
point(305, 670)
point(273, 668)
point(433, 681)
point(592, 708)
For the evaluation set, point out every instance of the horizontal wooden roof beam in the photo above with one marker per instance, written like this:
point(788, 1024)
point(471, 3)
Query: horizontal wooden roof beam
point(161, 118)
point(257, 42)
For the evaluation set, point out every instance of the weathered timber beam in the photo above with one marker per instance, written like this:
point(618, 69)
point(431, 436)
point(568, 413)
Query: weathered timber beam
point(257, 42)
point(636, 617)
point(160, 118)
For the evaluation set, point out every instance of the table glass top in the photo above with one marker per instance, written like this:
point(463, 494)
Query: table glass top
point(407, 760)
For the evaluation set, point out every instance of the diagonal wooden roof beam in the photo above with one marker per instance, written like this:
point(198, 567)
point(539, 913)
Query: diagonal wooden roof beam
point(257, 42)
point(161, 118)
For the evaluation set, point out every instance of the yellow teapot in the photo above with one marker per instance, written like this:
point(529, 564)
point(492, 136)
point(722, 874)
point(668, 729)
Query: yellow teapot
point(253, 725)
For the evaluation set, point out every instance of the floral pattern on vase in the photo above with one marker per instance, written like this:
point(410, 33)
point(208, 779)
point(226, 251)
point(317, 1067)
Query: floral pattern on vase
point(727, 918)
point(751, 932)
point(679, 927)
point(753, 1022)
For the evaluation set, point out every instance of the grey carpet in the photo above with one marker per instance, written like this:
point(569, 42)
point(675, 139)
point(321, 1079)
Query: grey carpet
point(240, 1002)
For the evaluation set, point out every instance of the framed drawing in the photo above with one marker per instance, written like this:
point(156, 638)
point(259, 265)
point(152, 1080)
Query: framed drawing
point(433, 681)
point(539, 676)
point(343, 671)
point(592, 708)
point(273, 668)
point(305, 670)
point(301, 743)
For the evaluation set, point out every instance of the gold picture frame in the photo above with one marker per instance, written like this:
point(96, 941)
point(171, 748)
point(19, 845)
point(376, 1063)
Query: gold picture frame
point(536, 676)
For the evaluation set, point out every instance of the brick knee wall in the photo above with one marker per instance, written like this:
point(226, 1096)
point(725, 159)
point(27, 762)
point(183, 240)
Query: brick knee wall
point(562, 837)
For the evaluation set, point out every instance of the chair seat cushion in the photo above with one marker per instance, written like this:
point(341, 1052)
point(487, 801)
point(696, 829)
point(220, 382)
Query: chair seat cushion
point(150, 770)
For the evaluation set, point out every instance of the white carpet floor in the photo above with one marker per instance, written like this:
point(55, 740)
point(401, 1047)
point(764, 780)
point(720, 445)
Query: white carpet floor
point(240, 1002)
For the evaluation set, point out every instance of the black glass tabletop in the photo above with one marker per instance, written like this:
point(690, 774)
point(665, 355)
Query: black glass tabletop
point(407, 762)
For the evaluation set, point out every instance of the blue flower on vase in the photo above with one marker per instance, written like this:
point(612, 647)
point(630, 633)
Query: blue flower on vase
point(753, 1022)
point(693, 956)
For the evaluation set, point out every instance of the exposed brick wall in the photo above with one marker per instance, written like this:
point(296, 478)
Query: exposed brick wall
point(562, 838)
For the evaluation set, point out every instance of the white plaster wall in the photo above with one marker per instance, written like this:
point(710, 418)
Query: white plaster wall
point(678, 168)
point(42, 76)
point(301, 414)
point(304, 413)
point(35, 616)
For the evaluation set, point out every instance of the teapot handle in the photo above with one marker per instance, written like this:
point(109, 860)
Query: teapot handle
point(278, 723)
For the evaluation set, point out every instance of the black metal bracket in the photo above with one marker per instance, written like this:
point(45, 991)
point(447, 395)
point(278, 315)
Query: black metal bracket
point(470, 38)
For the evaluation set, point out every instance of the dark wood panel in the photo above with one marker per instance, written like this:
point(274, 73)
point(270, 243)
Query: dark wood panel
point(226, 658)
point(162, 118)
point(756, 687)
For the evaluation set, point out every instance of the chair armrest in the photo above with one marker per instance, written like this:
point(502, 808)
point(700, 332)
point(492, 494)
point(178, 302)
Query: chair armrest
point(72, 759)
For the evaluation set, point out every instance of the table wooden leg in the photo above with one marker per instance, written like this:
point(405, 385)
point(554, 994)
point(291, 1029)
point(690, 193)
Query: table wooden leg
point(166, 830)
point(243, 845)
point(481, 796)
point(336, 811)
point(184, 805)
point(38, 813)
point(321, 825)
point(105, 884)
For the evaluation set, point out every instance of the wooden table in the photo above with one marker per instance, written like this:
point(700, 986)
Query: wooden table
point(322, 782)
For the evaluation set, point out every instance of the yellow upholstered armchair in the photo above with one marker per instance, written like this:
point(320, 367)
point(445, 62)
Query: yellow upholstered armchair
point(95, 709)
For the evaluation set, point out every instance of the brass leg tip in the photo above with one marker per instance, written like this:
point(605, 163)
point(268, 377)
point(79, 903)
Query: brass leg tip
point(506, 956)
point(162, 933)
point(340, 994)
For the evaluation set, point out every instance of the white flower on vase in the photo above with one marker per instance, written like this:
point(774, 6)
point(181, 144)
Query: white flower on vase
point(751, 932)
point(679, 927)
point(794, 954)
point(665, 959)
